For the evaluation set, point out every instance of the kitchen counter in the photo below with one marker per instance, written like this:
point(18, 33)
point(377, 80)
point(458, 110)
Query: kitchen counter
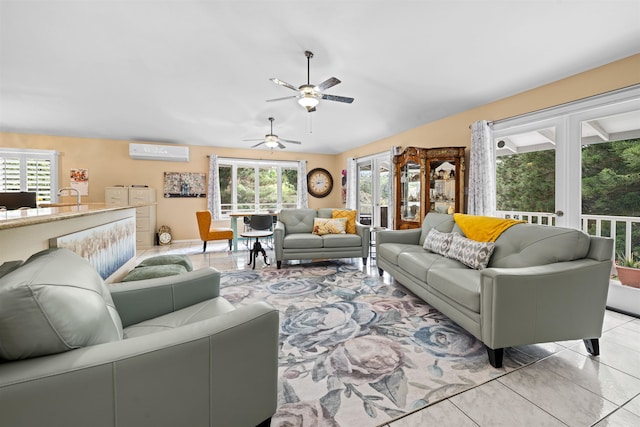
point(24, 232)
point(56, 212)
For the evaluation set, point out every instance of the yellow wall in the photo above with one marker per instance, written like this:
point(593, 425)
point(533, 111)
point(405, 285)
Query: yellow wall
point(109, 163)
point(454, 131)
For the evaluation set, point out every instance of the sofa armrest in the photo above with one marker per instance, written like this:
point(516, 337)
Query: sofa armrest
point(278, 239)
point(554, 302)
point(364, 231)
point(145, 299)
point(410, 236)
point(184, 376)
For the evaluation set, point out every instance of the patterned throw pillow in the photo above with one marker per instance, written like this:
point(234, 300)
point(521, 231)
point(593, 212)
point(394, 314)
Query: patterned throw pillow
point(322, 226)
point(438, 242)
point(350, 215)
point(469, 252)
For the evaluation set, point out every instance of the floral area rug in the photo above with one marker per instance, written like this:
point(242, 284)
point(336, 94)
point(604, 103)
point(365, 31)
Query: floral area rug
point(355, 351)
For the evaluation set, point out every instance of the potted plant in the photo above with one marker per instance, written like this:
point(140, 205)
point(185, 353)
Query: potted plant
point(628, 270)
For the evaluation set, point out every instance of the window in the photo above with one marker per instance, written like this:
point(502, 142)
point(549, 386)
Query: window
point(256, 185)
point(29, 170)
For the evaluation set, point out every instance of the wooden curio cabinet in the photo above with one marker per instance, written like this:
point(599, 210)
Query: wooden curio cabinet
point(427, 180)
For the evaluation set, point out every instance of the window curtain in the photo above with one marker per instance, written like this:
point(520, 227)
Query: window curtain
point(213, 189)
point(482, 171)
point(303, 197)
point(352, 182)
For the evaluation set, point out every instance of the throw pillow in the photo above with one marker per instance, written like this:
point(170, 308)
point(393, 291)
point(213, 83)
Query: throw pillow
point(350, 215)
point(178, 259)
point(322, 226)
point(9, 266)
point(56, 301)
point(470, 252)
point(438, 242)
point(153, 271)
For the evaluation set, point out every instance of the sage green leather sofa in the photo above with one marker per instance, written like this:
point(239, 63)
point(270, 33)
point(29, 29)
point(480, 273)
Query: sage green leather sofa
point(294, 240)
point(159, 352)
point(541, 284)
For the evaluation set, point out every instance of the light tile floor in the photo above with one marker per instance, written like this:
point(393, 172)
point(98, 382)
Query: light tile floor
point(567, 388)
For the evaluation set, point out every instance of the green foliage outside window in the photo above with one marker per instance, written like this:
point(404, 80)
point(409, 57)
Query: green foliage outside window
point(610, 184)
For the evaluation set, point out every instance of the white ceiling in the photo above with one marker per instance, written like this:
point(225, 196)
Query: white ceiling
point(197, 72)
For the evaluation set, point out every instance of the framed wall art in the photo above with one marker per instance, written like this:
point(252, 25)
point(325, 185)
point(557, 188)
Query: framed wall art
point(185, 184)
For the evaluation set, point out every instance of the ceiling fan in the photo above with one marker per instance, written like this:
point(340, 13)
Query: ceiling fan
point(272, 141)
point(309, 95)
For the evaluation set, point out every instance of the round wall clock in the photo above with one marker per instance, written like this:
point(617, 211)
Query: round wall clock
point(164, 235)
point(319, 182)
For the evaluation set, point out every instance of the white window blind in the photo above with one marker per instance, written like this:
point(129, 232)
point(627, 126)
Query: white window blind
point(29, 170)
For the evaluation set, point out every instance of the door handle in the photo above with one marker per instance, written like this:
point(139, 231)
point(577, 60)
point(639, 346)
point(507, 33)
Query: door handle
point(559, 213)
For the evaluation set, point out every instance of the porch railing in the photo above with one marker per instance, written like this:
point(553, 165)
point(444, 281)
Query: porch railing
point(591, 224)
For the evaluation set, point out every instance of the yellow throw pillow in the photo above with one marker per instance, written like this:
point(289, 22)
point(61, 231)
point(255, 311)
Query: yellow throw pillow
point(350, 215)
point(322, 226)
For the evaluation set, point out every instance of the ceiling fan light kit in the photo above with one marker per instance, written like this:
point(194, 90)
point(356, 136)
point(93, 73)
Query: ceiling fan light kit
point(271, 140)
point(309, 95)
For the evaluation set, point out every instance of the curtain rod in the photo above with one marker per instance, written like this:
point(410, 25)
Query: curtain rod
point(488, 124)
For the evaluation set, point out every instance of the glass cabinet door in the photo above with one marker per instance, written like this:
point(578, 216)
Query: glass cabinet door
point(442, 186)
point(410, 196)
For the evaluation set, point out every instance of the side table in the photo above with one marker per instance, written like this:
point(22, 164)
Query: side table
point(257, 247)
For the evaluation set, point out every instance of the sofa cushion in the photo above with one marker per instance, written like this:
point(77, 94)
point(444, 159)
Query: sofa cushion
point(322, 226)
point(191, 314)
point(391, 251)
point(438, 242)
point(526, 245)
point(341, 241)
point(297, 220)
point(441, 222)
point(302, 241)
point(153, 271)
point(460, 284)
point(351, 218)
point(178, 259)
point(470, 252)
point(55, 302)
point(418, 264)
point(324, 213)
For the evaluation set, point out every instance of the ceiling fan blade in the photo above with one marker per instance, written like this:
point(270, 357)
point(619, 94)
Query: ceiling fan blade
point(311, 110)
point(282, 99)
point(288, 141)
point(282, 147)
point(328, 83)
point(285, 84)
point(337, 98)
point(260, 143)
point(256, 139)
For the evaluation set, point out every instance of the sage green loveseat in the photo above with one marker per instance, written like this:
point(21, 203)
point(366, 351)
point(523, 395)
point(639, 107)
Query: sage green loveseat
point(542, 283)
point(294, 240)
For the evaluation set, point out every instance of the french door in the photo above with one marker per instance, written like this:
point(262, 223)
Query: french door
point(374, 177)
point(539, 156)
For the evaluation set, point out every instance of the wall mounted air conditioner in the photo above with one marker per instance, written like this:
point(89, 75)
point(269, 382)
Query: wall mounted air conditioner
point(172, 153)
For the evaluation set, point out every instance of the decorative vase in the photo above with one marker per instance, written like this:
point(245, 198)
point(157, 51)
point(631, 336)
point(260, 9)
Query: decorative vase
point(629, 276)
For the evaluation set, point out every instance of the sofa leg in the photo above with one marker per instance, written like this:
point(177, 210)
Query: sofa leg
point(230, 244)
point(279, 263)
point(380, 271)
point(495, 356)
point(593, 346)
point(265, 423)
point(364, 260)
point(204, 247)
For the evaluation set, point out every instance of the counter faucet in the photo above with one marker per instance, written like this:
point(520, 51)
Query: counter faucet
point(70, 189)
